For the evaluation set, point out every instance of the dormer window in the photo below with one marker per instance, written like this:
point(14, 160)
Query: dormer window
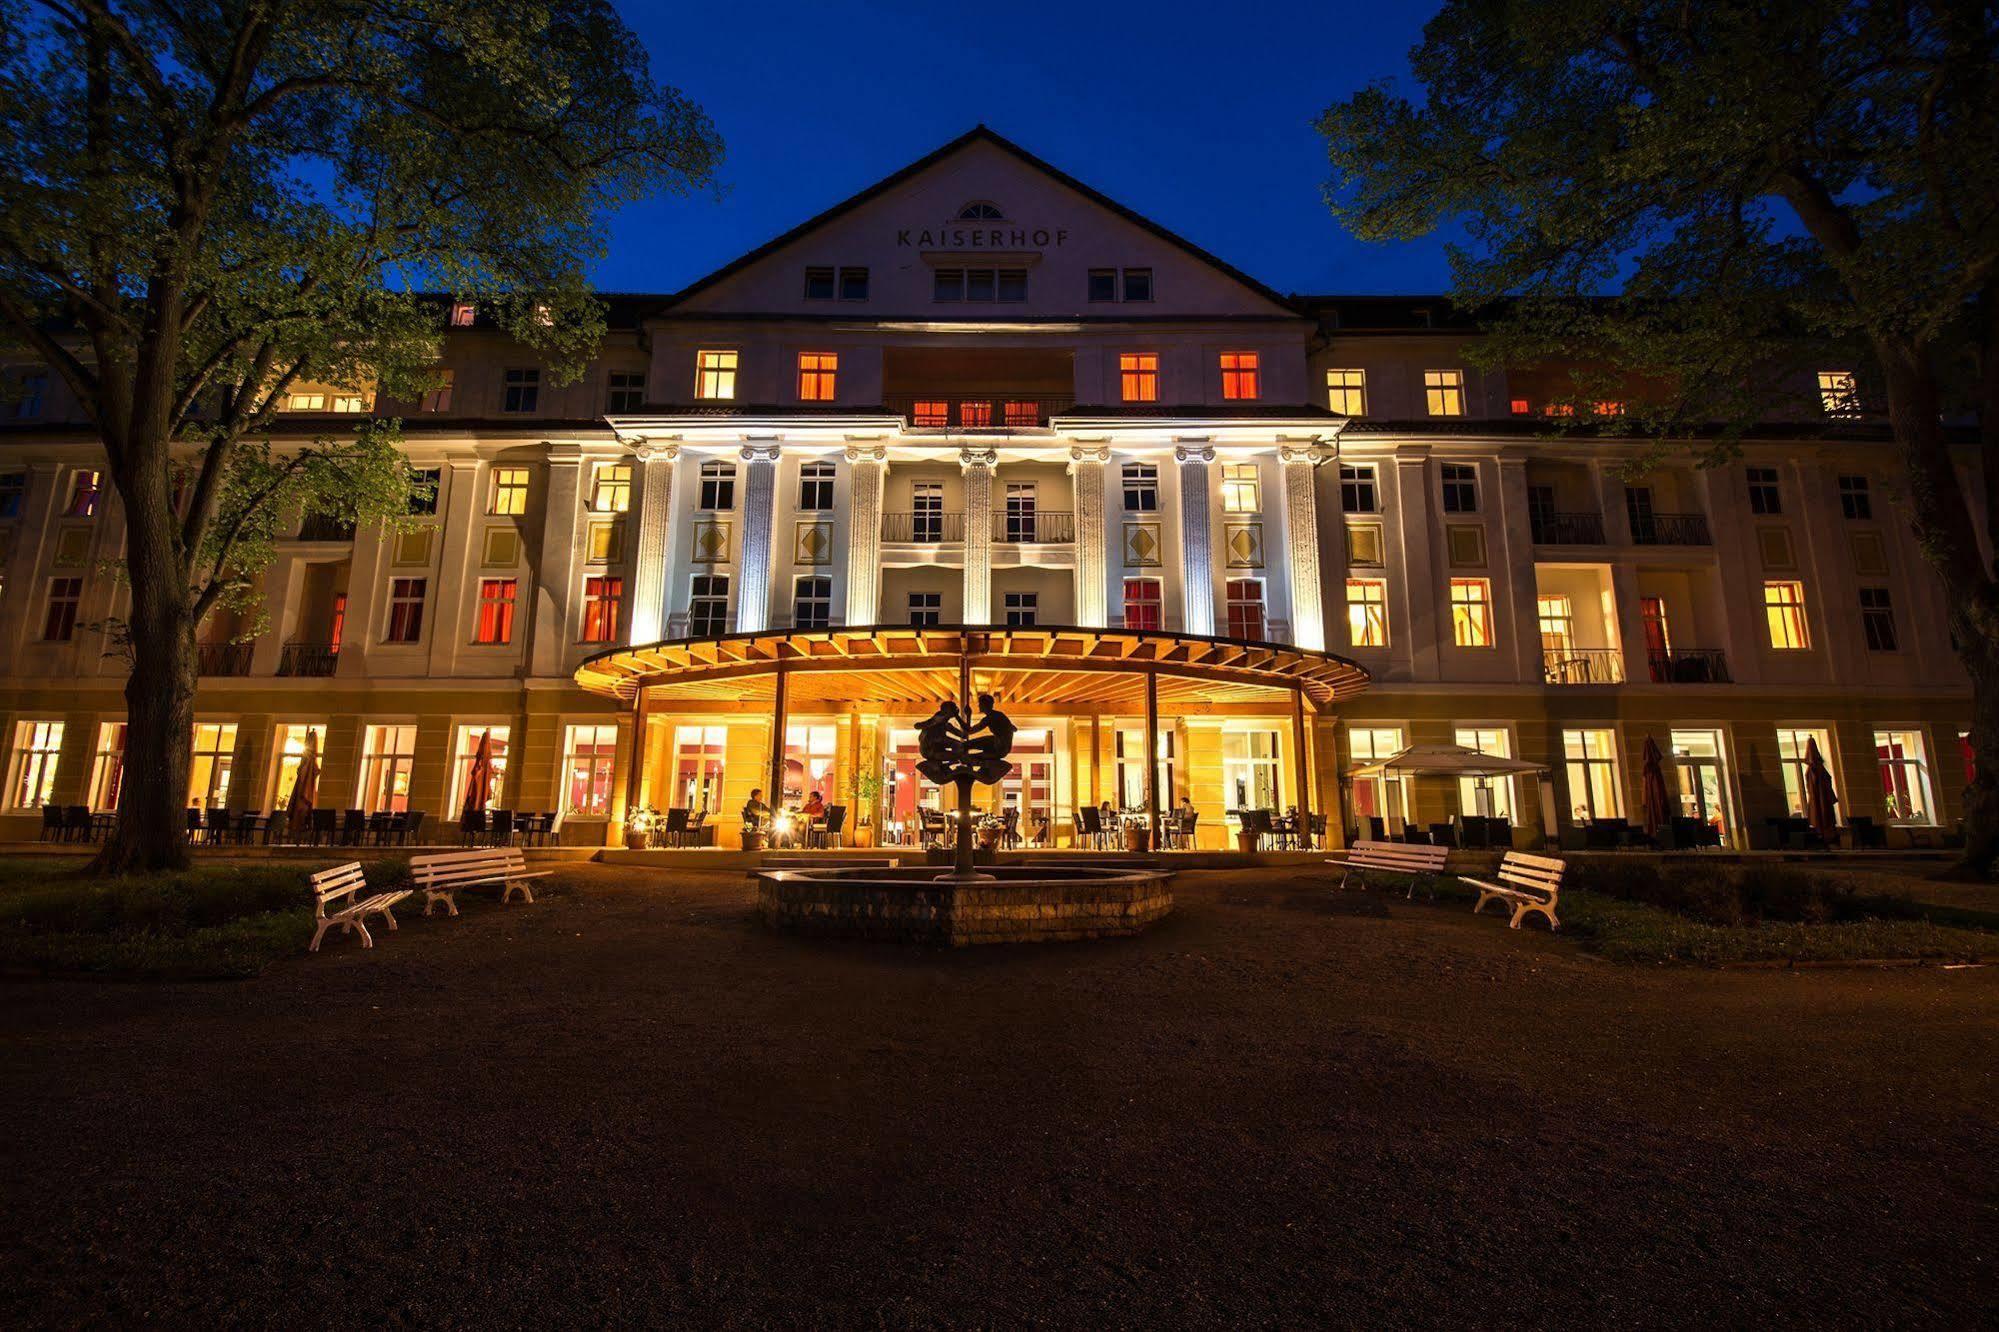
point(980, 210)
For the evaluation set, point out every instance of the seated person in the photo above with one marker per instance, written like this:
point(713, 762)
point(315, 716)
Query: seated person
point(755, 812)
point(815, 806)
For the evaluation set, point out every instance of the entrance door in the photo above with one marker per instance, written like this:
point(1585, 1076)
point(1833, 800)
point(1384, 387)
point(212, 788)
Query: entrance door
point(1702, 770)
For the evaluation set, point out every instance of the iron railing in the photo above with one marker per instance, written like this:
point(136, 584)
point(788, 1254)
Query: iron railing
point(956, 411)
point(1568, 529)
point(308, 659)
point(1039, 527)
point(321, 527)
point(927, 528)
point(1582, 666)
point(1687, 666)
point(223, 658)
point(1670, 529)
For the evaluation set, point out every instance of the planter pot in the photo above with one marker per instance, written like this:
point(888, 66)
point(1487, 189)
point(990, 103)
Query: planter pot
point(753, 841)
point(636, 840)
point(864, 835)
point(1245, 841)
point(1138, 838)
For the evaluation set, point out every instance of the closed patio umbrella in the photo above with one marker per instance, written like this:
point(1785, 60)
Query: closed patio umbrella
point(305, 788)
point(1819, 797)
point(1658, 811)
point(478, 783)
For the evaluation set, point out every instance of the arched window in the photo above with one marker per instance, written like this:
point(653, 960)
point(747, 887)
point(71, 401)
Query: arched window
point(979, 210)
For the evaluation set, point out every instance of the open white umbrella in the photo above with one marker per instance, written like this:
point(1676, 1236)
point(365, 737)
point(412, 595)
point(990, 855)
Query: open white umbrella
point(1445, 761)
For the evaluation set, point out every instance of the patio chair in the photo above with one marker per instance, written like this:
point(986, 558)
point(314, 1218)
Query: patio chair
point(52, 825)
point(833, 831)
point(1315, 831)
point(673, 832)
point(472, 827)
point(698, 831)
point(378, 827)
point(1443, 834)
point(1090, 825)
point(1865, 833)
point(1377, 829)
point(353, 826)
point(410, 834)
point(500, 827)
point(196, 826)
point(326, 824)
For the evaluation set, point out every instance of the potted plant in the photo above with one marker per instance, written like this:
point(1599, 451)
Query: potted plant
point(638, 827)
point(1137, 836)
point(863, 793)
point(989, 832)
point(753, 837)
point(1245, 837)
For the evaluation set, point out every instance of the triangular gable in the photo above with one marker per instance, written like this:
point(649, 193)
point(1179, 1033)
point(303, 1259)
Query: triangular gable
point(908, 224)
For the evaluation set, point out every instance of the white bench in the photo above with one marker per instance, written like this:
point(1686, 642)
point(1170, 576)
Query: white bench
point(1418, 861)
point(338, 900)
point(1527, 883)
point(442, 876)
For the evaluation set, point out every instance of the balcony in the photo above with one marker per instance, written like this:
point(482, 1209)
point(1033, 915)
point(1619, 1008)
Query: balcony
point(1038, 528)
point(949, 411)
point(1670, 529)
point(1582, 666)
point(223, 658)
point(309, 659)
point(1687, 666)
point(1568, 529)
point(320, 527)
point(927, 528)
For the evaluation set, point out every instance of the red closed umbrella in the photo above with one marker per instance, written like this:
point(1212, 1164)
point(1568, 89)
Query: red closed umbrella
point(305, 788)
point(1658, 810)
point(478, 783)
point(1819, 797)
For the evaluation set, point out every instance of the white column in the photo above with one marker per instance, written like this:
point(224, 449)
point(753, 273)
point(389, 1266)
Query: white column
point(1086, 467)
point(1301, 537)
point(978, 467)
point(652, 539)
point(864, 533)
point(1197, 551)
point(555, 563)
point(759, 501)
point(1520, 598)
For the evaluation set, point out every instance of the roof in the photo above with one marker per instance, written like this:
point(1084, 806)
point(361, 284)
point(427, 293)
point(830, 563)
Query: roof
point(981, 134)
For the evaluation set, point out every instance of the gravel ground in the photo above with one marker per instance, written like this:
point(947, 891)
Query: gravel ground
point(1282, 1106)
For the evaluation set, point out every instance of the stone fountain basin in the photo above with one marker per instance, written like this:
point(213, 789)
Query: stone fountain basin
point(1019, 904)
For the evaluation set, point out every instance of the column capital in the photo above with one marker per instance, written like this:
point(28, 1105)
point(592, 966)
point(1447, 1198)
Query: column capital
point(1194, 451)
point(1095, 453)
point(968, 459)
point(645, 450)
point(1314, 454)
point(867, 453)
point(761, 450)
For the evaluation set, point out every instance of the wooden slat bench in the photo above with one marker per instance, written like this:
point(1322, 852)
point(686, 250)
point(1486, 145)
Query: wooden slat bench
point(442, 876)
point(341, 897)
point(1527, 883)
point(1419, 862)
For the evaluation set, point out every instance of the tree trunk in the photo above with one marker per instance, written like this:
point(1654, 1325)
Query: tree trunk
point(1981, 797)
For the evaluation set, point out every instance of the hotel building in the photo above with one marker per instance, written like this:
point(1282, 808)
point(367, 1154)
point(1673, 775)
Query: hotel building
point(979, 393)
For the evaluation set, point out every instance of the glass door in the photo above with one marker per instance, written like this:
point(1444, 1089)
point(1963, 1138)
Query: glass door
point(1701, 765)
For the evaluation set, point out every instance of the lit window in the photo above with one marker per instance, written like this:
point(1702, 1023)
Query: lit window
point(718, 486)
point(715, 374)
point(1521, 407)
point(437, 398)
point(1460, 485)
point(601, 599)
point(930, 413)
point(1130, 767)
point(1854, 501)
point(350, 404)
point(37, 748)
point(611, 491)
point(522, 390)
point(1367, 612)
point(1784, 609)
point(1346, 392)
point(1240, 490)
point(1764, 496)
point(462, 314)
point(1483, 795)
point(86, 490)
point(496, 610)
point(214, 763)
point(812, 603)
point(292, 741)
point(1905, 776)
point(1021, 608)
point(1839, 393)
point(405, 610)
point(815, 487)
point(604, 543)
point(1877, 619)
point(708, 605)
point(1143, 604)
point(624, 391)
point(1444, 392)
point(1471, 612)
point(1357, 490)
point(510, 492)
point(1794, 749)
point(1384, 795)
point(1250, 772)
point(1241, 379)
point(1138, 376)
point(388, 762)
point(975, 415)
point(466, 753)
point(1557, 615)
point(1141, 488)
point(305, 402)
point(1591, 761)
point(1245, 609)
point(817, 372)
point(697, 766)
point(1021, 415)
point(65, 596)
point(926, 608)
point(107, 773)
point(589, 758)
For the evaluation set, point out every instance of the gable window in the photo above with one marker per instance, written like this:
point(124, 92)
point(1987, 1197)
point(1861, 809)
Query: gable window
point(510, 492)
point(1138, 376)
point(624, 391)
point(817, 372)
point(1021, 609)
point(715, 374)
point(1245, 609)
point(405, 610)
point(926, 608)
point(1357, 490)
point(86, 488)
point(1346, 392)
point(65, 595)
point(1839, 393)
point(1460, 484)
point(820, 283)
point(1444, 392)
point(1143, 604)
point(812, 603)
point(1103, 284)
point(853, 284)
point(825, 283)
point(1241, 376)
point(1471, 612)
point(1877, 619)
point(1764, 496)
point(1367, 612)
point(1241, 492)
point(708, 605)
point(37, 747)
point(979, 285)
point(601, 598)
point(1784, 611)
point(1138, 284)
point(980, 210)
point(1854, 501)
point(815, 487)
point(523, 390)
point(437, 398)
point(718, 486)
point(496, 610)
point(1141, 488)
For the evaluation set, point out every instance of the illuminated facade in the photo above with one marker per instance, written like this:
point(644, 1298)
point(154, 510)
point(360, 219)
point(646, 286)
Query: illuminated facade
point(980, 393)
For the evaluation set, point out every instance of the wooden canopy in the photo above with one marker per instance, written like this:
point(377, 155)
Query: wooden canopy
point(919, 666)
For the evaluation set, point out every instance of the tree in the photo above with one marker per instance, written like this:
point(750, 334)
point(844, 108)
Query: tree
point(212, 202)
point(1685, 195)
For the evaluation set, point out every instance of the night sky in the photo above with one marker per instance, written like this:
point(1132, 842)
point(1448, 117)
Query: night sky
point(1197, 115)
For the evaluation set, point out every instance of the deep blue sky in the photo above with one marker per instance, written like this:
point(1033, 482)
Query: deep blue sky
point(1197, 115)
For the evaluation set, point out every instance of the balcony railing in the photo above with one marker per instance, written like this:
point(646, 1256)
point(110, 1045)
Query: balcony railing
point(223, 658)
point(954, 411)
point(1670, 529)
point(308, 659)
point(1040, 527)
point(1569, 529)
point(320, 527)
point(1582, 666)
point(1687, 666)
point(924, 529)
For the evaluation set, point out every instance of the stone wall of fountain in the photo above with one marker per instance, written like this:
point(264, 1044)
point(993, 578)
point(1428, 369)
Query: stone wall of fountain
point(1021, 904)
